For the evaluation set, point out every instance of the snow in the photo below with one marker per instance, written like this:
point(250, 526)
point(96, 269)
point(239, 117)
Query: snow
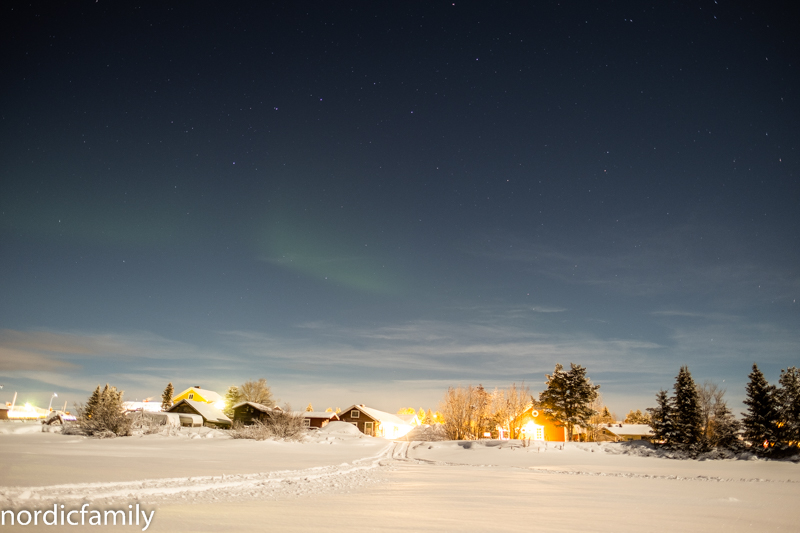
point(198, 479)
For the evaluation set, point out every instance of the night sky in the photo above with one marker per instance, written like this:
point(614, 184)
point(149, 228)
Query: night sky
point(368, 202)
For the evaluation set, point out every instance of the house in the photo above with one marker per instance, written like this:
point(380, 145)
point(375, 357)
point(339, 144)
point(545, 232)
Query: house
point(212, 417)
point(538, 426)
point(317, 419)
point(198, 394)
point(375, 423)
point(624, 432)
point(248, 412)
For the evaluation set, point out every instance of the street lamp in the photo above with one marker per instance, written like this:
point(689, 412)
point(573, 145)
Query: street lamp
point(50, 407)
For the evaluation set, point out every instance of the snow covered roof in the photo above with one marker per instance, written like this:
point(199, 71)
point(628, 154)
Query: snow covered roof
point(259, 406)
point(381, 416)
point(317, 414)
point(629, 429)
point(209, 395)
point(206, 410)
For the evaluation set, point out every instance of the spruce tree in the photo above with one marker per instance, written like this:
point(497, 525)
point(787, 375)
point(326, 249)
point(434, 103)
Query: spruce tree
point(166, 397)
point(662, 419)
point(568, 397)
point(760, 422)
point(309, 408)
point(789, 395)
point(104, 414)
point(688, 418)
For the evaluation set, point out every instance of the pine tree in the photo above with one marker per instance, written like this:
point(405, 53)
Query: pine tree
point(688, 418)
point(760, 422)
point(232, 397)
point(309, 408)
point(661, 419)
point(166, 397)
point(789, 396)
point(421, 416)
point(430, 418)
point(568, 397)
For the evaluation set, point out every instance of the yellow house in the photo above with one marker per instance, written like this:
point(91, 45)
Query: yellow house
point(197, 394)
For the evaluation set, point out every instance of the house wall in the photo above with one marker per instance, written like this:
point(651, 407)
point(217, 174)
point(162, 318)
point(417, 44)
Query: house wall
point(552, 431)
point(197, 397)
point(359, 422)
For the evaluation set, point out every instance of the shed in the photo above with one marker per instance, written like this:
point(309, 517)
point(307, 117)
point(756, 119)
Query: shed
point(212, 417)
point(623, 432)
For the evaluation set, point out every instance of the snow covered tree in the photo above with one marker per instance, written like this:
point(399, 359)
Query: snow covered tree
point(309, 408)
point(166, 397)
point(458, 410)
point(687, 416)
point(430, 418)
point(760, 422)
point(104, 415)
point(637, 417)
point(789, 396)
point(256, 392)
point(232, 397)
point(661, 419)
point(568, 397)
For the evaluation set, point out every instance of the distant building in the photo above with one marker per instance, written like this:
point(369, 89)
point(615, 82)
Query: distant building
point(538, 426)
point(375, 423)
point(624, 432)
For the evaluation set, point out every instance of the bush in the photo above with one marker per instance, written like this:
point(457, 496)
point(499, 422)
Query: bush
point(281, 425)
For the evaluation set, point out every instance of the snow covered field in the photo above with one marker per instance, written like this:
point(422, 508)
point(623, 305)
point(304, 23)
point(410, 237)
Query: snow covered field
point(344, 482)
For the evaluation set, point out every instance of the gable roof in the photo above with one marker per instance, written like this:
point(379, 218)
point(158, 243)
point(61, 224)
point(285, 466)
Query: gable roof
point(318, 414)
point(208, 395)
point(381, 416)
point(259, 407)
point(206, 410)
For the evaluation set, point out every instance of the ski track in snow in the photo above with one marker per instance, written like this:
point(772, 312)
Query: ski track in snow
point(280, 484)
point(198, 489)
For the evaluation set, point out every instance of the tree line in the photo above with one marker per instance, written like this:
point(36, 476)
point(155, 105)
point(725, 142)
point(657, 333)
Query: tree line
point(696, 419)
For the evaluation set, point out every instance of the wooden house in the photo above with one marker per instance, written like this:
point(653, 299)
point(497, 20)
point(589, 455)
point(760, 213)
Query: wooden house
point(212, 417)
point(375, 423)
point(317, 419)
point(623, 432)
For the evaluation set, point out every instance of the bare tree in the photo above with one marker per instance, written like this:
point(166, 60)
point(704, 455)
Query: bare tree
point(512, 403)
point(710, 396)
point(458, 410)
point(256, 392)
